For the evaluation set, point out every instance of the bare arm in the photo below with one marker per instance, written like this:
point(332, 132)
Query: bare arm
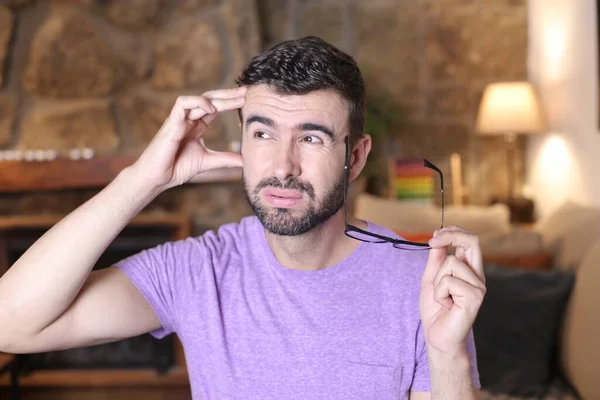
point(49, 297)
point(38, 292)
point(450, 378)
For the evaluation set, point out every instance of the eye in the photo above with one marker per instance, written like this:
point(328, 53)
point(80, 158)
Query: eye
point(261, 135)
point(311, 139)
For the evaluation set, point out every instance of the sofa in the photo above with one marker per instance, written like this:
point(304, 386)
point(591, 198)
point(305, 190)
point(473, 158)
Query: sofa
point(538, 330)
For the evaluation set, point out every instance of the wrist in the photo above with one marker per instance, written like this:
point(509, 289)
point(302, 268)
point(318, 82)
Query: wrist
point(457, 354)
point(136, 187)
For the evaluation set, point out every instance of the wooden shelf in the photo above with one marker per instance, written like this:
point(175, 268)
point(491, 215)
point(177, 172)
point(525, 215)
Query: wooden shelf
point(97, 172)
point(177, 375)
point(104, 378)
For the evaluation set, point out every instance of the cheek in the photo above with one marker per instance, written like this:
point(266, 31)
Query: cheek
point(321, 176)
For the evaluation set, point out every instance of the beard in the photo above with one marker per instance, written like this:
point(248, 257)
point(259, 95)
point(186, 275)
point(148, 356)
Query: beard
point(282, 221)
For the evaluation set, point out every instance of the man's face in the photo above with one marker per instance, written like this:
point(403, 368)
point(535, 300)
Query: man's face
point(293, 151)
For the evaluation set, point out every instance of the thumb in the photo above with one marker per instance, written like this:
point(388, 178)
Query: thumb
point(222, 159)
point(434, 262)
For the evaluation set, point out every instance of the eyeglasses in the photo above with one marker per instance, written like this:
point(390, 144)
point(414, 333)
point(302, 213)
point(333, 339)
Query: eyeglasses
point(370, 237)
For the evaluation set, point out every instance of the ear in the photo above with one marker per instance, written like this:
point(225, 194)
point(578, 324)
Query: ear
point(358, 156)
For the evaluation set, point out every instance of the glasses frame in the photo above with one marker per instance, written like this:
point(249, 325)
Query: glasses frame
point(398, 243)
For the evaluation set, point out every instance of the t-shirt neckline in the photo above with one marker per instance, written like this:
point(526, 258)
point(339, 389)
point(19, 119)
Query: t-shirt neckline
point(345, 265)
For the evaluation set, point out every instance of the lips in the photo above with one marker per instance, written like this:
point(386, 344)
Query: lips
point(283, 193)
point(282, 197)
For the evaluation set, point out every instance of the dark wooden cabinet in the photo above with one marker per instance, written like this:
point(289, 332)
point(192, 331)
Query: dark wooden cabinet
point(136, 361)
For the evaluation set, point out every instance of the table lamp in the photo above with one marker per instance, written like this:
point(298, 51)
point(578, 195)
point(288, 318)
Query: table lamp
point(510, 108)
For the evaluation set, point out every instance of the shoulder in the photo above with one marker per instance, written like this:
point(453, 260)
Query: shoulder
point(231, 236)
point(213, 241)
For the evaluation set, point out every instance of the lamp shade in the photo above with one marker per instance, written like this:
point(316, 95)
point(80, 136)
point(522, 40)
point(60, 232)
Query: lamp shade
point(510, 107)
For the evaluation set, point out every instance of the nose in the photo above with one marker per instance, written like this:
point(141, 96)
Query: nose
point(286, 163)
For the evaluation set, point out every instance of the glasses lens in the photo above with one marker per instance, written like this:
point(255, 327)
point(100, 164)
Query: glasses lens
point(363, 237)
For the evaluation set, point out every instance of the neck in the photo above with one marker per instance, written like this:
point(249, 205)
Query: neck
point(319, 248)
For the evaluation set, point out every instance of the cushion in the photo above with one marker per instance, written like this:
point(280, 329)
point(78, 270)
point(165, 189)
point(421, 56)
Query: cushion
point(517, 328)
point(517, 242)
point(569, 232)
point(482, 220)
point(406, 217)
point(410, 218)
point(580, 351)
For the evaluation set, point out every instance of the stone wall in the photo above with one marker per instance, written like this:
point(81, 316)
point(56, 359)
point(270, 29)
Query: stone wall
point(104, 74)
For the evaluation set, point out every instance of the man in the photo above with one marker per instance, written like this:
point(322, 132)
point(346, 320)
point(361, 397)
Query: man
point(282, 305)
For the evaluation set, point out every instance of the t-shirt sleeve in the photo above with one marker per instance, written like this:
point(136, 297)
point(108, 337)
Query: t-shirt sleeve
point(158, 273)
point(421, 381)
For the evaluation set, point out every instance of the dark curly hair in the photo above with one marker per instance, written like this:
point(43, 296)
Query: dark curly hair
point(300, 66)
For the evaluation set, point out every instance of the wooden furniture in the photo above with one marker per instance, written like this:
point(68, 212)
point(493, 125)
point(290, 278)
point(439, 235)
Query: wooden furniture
point(71, 174)
point(60, 174)
point(539, 261)
point(179, 226)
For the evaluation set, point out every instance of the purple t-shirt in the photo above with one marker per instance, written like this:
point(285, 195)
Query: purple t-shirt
point(254, 329)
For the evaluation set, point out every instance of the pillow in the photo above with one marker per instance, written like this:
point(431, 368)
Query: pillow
point(569, 232)
point(580, 353)
point(516, 330)
point(514, 243)
point(406, 217)
point(481, 220)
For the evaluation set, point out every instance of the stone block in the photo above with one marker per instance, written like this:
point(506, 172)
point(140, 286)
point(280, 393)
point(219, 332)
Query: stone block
point(17, 3)
point(189, 54)
point(423, 139)
point(134, 51)
point(275, 22)
point(70, 58)
point(189, 5)
point(6, 27)
point(142, 114)
point(476, 43)
point(7, 117)
point(134, 14)
point(388, 49)
point(242, 26)
point(322, 20)
point(69, 124)
point(456, 102)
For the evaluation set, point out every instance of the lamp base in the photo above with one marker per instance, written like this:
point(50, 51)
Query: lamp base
point(522, 210)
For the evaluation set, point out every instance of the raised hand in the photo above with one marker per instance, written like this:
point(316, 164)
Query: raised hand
point(452, 290)
point(177, 152)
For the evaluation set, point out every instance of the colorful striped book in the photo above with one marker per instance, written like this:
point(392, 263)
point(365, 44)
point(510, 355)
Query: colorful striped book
point(412, 181)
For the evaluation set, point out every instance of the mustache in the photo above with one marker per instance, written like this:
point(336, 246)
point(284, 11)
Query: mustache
point(290, 184)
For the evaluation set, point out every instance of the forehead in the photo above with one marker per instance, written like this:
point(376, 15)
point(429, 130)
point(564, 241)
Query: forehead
point(324, 105)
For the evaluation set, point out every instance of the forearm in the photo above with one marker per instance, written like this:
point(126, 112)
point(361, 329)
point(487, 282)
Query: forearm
point(44, 281)
point(451, 377)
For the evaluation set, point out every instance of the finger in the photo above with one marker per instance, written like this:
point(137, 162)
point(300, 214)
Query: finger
point(229, 104)
point(461, 254)
point(221, 159)
point(226, 93)
point(461, 239)
point(184, 104)
point(434, 262)
point(452, 266)
point(201, 125)
point(452, 290)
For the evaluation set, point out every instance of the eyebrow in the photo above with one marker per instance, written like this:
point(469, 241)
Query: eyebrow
point(306, 126)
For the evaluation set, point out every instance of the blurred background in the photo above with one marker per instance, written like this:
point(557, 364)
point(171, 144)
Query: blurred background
point(85, 85)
